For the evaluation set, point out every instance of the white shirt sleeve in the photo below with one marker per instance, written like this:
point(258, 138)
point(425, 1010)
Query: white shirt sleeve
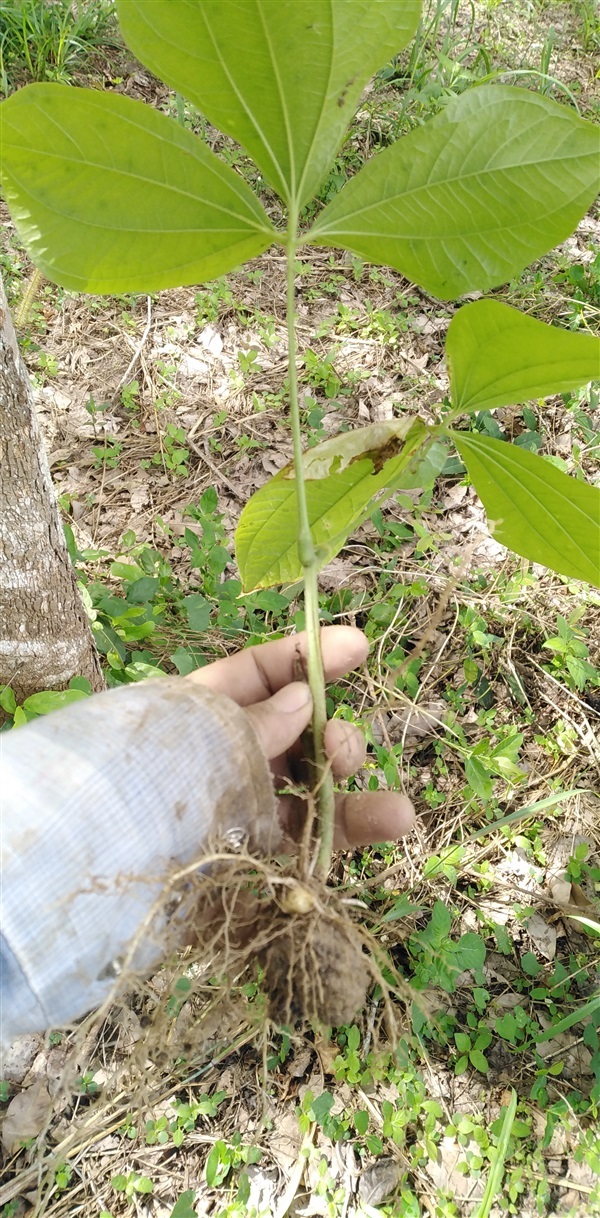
point(100, 801)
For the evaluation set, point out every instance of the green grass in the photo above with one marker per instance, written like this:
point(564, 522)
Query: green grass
point(42, 41)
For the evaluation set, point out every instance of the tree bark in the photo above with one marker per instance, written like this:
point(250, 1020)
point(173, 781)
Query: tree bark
point(45, 636)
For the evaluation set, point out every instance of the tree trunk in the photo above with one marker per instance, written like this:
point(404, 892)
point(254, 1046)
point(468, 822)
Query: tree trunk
point(45, 636)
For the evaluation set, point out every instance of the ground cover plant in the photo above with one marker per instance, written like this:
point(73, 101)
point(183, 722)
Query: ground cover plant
point(479, 767)
point(51, 41)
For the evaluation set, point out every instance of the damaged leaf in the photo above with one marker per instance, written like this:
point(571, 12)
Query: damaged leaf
point(345, 478)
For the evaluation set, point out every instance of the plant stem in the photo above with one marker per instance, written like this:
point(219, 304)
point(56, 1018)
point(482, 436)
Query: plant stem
point(322, 778)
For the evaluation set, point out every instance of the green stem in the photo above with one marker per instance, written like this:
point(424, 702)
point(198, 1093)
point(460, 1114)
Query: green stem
point(322, 778)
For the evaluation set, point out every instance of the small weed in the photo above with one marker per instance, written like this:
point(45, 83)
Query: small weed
point(248, 361)
point(85, 1084)
point(320, 373)
point(108, 453)
point(62, 1176)
point(580, 281)
point(131, 1184)
point(42, 703)
point(165, 1130)
point(438, 959)
point(319, 1110)
point(215, 301)
point(579, 869)
point(95, 409)
point(174, 455)
point(226, 1157)
point(570, 654)
point(129, 393)
point(48, 365)
point(471, 1048)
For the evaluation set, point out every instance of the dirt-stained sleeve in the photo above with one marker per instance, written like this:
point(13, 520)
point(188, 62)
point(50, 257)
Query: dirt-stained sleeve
point(100, 802)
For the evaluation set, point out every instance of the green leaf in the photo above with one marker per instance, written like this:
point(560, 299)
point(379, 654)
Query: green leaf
point(8, 702)
point(142, 590)
point(361, 1121)
point(353, 1038)
point(322, 1105)
point(478, 778)
point(52, 699)
point(283, 79)
point(125, 570)
point(139, 671)
point(469, 952)
point(478, 1060)
point(184, 661)
point(80, 683)
point(345, 478)
point(143, 1184)
point(530, 964)
point(402, 908)
point(512, 818)
point(438, 928)
point(217, 1165)
point(462, 1041)
point(183, 1205)
point(533, 508)
point(497, 356)
point(471, 198)
point(110, 195)
point(198, 611)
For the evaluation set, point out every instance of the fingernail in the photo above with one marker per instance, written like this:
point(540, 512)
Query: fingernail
point(293, 697)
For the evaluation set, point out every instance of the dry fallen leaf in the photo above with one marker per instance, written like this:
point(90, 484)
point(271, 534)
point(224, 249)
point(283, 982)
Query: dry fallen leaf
point(139, 497)
point(560, 891)
point(542, 935)
point(26, 1116)
point(378, 1182)
point(211, 340)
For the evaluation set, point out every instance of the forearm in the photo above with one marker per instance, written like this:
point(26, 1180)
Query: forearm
point(100, 802)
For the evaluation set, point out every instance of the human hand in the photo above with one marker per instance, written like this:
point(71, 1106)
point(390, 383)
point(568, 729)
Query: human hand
point(261, 679)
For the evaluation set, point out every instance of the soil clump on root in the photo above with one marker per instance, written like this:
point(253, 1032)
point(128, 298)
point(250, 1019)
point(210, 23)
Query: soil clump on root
point(313, 970)
point(316, 962)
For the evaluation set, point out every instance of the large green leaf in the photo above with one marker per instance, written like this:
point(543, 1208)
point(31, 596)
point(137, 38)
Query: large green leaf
point(497, 356)
point(109, 195)
point(468, 200)
point(344, 478)
point(533, 508)
point(282, 77)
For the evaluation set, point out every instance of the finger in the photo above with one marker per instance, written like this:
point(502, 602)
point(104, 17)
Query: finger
point(362, 818)
point(345, 746)
point(279, 720)
point(252, 675)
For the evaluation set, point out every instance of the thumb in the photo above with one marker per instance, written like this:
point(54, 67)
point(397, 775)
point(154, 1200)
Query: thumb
point(280, 720)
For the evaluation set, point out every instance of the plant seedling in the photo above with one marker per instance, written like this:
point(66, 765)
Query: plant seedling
point(111, 196)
